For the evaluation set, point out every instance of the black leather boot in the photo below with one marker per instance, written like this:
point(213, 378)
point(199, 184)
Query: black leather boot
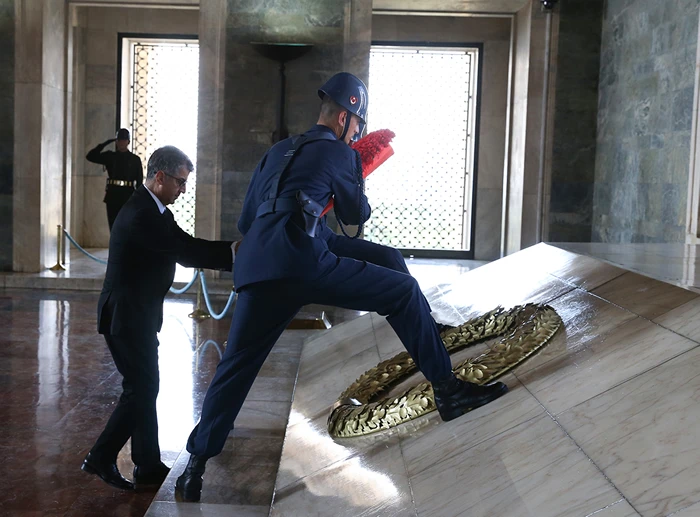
point(189, 484)
point(454, 397)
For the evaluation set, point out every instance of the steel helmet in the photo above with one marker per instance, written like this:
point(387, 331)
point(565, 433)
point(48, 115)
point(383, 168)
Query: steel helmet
point(349, 92)
point(123, 134)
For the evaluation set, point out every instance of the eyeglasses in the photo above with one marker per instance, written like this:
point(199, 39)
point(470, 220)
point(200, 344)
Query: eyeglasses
point(181, 182)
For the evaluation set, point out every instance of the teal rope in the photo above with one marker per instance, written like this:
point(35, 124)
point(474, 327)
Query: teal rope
point(101, 261)
point(204, 346)
point(214, 315)
point(180, 291)
point(93, 257)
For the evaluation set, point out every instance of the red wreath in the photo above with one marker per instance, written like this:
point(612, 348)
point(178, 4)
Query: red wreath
point(375, 149)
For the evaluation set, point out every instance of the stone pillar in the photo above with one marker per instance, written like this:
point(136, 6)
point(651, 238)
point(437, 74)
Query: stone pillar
point(39, 145)
point(523, 205)
point(212, 54)
point(7, 105)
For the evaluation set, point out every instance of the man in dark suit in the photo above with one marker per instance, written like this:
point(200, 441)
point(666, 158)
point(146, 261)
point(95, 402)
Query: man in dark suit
point(124, 172)
point(144, 246)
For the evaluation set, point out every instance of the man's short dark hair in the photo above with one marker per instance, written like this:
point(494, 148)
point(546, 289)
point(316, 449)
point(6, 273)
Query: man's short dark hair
point(329, 108)
point(167, 159)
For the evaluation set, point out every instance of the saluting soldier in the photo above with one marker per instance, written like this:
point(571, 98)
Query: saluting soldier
point(124, 172)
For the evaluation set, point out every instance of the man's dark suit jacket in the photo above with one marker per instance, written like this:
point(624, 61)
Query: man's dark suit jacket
point(143, 248)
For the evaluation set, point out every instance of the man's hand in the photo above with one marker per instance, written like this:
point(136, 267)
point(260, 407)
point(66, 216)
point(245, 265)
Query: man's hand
point(237, 245)
point(107, 142)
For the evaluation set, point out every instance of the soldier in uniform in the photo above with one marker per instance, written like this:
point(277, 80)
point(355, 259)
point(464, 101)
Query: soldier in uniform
point(124, 172)
point(289, 258)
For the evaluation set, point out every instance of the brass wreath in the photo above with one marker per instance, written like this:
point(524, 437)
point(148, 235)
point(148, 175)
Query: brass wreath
point(357, 412)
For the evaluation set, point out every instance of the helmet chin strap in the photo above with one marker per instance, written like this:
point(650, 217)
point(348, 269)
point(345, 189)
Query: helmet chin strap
point(347, 125)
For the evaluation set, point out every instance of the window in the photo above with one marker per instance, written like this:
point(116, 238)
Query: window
point(160, 85)
point(422, 197)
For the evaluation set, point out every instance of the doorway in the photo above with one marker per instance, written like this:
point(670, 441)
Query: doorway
point(159, 81)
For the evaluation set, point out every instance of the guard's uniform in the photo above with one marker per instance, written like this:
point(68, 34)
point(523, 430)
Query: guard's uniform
point(280, 268)
point(124, 176)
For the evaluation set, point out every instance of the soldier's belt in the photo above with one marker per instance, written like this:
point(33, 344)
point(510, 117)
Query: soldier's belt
point(121, 183)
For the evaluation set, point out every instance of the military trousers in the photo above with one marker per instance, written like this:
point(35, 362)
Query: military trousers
point(264, 310)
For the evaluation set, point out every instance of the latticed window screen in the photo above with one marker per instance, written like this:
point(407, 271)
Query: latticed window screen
point(164, 102)
point(421, 197)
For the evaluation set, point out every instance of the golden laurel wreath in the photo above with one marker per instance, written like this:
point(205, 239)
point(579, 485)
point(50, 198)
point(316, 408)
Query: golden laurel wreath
point(358, 412)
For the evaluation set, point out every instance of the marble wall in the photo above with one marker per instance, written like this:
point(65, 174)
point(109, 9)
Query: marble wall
point(574, 121)
point(95, 98)
point(494, 34)
point(39, 133)
point(475, 6)
point(7, 106)
point(252, 82)
point(645, 110)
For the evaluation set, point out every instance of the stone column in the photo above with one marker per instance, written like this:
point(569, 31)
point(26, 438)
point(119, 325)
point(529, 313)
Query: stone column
point(39, 146)
point(523, 162)
point(212, 54)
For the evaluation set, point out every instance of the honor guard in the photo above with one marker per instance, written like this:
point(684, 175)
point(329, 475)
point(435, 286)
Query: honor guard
point(289, 258)
point(124, 172)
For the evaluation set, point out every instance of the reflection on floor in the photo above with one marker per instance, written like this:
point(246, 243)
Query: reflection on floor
point(58, 386)
point(602, 422)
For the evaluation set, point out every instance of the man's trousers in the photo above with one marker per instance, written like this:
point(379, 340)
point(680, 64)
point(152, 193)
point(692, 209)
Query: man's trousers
point(136, 358)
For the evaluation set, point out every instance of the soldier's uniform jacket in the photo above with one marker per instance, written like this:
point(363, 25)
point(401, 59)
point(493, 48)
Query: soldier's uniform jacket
point(125, 166)
point(275, 245)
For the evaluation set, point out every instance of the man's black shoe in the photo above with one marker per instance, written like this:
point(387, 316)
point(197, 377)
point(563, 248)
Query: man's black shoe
point(147, 475)
point(108, 472)
point(189, 485)
point(454, 397)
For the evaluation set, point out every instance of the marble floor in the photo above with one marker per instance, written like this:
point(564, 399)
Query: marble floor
point(59, 385)
point(602, 422)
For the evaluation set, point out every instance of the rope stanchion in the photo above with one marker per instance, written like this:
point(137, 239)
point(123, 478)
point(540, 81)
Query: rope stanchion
point(80, 248)
point(199, 313)
point(189, 284)
point(59, 244)
point(59, 267)
point(212, 312)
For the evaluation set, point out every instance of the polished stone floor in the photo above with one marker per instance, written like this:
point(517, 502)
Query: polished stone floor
point(602, 422)
point(59, 386)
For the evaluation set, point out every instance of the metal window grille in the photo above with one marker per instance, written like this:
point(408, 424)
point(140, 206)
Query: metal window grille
point(421, 197)
point(164, 103)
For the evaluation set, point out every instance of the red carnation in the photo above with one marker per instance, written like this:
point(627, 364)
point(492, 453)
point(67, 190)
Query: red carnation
point(375, 149)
